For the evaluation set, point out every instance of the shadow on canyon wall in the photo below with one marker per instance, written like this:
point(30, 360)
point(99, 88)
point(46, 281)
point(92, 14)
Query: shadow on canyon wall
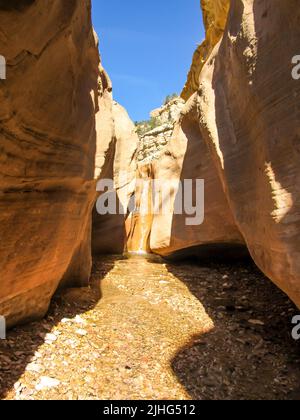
point(109, 232)
point(218, 230)
point(13, 5)
point(259, 135)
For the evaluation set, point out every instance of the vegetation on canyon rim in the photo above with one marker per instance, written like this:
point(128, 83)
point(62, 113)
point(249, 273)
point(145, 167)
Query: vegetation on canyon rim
point(144, 126)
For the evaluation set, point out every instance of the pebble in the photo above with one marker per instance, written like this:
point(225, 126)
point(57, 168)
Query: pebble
point(132, 344)
point(66, 320)
point(256, 322)
point(50, 338)
point(79, 320)
point(34, 367)
point(5, 359)
point(46, 383)
point(81, 332)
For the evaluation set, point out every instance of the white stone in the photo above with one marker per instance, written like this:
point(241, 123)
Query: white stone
point(34, 367)
point(50, 337)
point(256, 322)
point(81, 332)
point(46, 383)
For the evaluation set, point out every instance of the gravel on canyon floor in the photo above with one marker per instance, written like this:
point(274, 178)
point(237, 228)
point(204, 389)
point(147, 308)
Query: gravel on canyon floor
point(150, 329)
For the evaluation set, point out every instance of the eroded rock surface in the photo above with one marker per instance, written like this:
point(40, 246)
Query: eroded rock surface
point(214, 18)
point(48, 141)
point(117, 143)
point(168, 156)
point(249, 115)
point(186, 158)
point(239, 131)
point(248, 109)
point(153, 141)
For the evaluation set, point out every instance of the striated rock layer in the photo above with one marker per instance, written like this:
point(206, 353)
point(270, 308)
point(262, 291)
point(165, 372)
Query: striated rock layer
point(48, 143)
point(116, 162)
point(186, 158)
point(239, 131)
point(153, 141)
point(245, 105)
point(214, 18)
point(249, 116)
point(162, 171)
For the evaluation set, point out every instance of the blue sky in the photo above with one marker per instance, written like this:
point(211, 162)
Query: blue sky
point(147, 47)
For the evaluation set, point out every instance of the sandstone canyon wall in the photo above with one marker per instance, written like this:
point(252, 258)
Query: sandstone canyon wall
point(215, 17)
point(115, 161)
point(171, 153)
point(239, 131)
point(48, 143)
point(61, 131)
point(249, 116)
point(186, 157)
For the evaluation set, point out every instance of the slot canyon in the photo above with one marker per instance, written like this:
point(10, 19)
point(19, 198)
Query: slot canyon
point(140, 304)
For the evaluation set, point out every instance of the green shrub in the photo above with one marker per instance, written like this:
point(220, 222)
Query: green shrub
point(170, 98)
point(143, 127)
point(153, 123)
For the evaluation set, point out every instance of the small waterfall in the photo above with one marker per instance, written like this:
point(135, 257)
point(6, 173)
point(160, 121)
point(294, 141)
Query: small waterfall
point(142, 218)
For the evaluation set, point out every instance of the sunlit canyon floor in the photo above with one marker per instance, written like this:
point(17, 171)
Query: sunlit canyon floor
point(150, 329)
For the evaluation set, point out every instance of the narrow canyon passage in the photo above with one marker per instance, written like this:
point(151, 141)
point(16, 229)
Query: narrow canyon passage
point(99, 206)
point(151, 329)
